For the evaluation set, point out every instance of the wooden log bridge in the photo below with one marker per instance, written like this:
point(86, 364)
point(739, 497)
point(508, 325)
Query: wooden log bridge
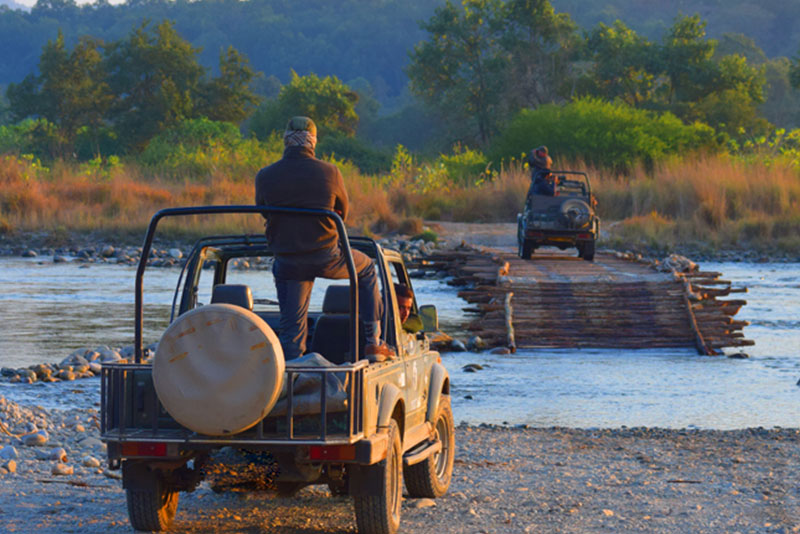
point(618, 301)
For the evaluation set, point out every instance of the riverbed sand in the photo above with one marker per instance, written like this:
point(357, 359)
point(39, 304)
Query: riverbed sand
point(505, 480)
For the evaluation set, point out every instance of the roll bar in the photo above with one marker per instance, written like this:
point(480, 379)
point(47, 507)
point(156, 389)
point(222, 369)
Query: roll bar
point(263, 210)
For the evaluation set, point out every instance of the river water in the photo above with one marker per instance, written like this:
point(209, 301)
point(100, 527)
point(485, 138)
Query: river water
point(47, 310)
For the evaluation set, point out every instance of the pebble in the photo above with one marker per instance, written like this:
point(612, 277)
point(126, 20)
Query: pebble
point(8, 453)
point(35, 439)
point(58, 454)
point(90, 461)
point(62, 469)
point(10, 466)
point(423, 503)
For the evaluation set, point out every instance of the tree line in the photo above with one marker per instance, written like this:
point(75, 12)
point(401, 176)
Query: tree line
point(114, 97)
point(478, 65)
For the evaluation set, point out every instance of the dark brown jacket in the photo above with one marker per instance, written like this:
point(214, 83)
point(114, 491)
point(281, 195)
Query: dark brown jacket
point(300, 180)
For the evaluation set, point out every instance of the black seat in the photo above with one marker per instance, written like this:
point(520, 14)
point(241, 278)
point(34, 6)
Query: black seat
point(332, 330)
point(236, 294)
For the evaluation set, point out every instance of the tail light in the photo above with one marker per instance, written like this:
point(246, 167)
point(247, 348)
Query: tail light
point(146, 448)
point(332, 452)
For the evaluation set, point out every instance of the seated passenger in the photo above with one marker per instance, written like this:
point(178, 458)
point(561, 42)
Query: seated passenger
point(405, 305)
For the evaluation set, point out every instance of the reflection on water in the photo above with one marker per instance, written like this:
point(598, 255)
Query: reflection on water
point(47, 310)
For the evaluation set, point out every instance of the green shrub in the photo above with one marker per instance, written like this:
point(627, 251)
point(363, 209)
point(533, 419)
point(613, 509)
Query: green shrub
point(201, 147)
point(604, 134)
point(466, 166)
point(367, 159)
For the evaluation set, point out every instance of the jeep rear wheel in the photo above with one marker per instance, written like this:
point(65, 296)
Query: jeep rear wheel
point(380, 513)
point(431, 477)
point(151, 508)
point(525, 249)
point(586, 251)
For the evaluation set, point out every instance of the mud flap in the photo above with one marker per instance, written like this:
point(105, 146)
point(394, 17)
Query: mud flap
point(366, 480)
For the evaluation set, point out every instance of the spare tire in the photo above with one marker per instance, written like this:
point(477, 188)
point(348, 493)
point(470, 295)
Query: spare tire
point(575, 213)
point(218, 369)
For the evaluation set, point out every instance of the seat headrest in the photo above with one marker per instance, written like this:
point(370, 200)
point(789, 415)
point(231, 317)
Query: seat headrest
point(337, 300)
point(236, 294)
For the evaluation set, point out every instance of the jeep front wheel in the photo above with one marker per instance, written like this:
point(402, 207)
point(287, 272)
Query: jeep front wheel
point(380, 513)
point(431, 477)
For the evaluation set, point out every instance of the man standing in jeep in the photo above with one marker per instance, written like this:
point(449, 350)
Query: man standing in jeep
point(306, 248)
point(542, 180)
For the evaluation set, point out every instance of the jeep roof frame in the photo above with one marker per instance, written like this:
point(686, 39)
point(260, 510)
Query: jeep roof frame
point(264, 211)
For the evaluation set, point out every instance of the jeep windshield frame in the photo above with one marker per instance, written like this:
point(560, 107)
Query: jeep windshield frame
point(242, 209)
point(560, 174)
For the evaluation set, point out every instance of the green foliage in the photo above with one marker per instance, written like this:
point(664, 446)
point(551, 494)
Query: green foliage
point(156, 78)
point(428, 236)
point(328, 101)
point(70, 92)
point(459, 69)
point(37, 137)
point(610, 135)
point(466, 166)
point(200, 147)
point(368, 160)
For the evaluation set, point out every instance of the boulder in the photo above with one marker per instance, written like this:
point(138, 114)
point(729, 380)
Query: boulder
point(476, 344)
point(108, 251)
point(175, 253)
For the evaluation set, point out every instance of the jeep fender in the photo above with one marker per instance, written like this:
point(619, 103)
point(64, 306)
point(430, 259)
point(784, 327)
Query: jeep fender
point(391, 396)
point(440, 383)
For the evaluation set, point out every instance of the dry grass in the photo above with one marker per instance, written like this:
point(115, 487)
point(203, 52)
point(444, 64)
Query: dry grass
point(716, 200)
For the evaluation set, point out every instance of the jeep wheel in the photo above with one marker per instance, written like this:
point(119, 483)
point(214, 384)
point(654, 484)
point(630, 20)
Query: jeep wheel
point(586, 251)
point(152, 508)
point(525, 249)
point(431, 477)
point(380, 514)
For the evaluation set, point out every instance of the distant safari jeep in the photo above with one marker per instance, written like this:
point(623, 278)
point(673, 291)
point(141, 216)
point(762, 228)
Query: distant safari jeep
point(566, 219)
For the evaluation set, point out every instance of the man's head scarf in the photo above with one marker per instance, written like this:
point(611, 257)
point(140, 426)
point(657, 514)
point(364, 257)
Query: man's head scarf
point(300, 131)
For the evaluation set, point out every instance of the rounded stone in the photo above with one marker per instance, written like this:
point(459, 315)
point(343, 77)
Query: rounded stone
point(62, 469)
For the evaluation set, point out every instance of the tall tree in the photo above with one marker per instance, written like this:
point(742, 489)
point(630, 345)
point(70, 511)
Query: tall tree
point(327, 100)
point(621, 64)
point(156, 78)
point(461, 68)
point(228, 97)
point(70, 91)
point(686, 60)
point(542, 45)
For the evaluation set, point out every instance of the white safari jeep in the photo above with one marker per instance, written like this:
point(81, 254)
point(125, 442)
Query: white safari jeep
point(219, 380)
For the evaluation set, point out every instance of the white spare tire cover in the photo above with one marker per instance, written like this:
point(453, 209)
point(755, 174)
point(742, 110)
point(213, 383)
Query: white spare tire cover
point(218, 369)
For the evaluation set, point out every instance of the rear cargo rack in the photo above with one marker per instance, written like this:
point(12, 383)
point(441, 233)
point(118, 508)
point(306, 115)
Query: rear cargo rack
point(130, 411)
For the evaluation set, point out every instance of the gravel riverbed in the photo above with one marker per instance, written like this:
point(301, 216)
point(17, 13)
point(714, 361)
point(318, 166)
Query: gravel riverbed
point(505, 480)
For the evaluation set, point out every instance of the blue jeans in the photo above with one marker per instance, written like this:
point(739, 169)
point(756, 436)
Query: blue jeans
point(294, 279)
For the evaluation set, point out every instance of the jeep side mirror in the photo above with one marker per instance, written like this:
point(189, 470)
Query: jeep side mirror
point(430, 319)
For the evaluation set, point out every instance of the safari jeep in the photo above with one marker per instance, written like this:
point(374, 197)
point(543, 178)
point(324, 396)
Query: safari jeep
point(218, 383)
point(564, 220)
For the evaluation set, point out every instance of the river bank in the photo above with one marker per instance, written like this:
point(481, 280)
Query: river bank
point(105, 246)
point(506, 480)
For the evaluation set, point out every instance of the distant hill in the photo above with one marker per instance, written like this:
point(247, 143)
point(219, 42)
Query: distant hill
point(774, 25)
point(352, 39)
